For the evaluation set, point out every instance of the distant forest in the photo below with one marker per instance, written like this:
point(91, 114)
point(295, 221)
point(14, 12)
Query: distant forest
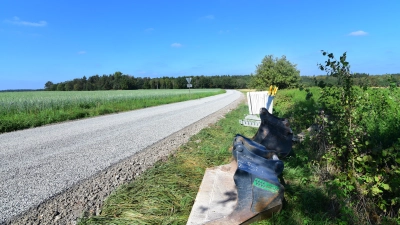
point(360, 79)
point(119, 81)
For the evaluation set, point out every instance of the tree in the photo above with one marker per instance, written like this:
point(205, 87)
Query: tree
point(60, 87)
point(275, 71)
point(48, 86)
point(84, 82)
point(78, 85)
point(69, 86)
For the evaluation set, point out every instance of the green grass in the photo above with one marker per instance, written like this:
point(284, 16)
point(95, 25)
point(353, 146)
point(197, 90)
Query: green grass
point(292, 104)
point(165, 194)
point(288, 98)
point(306, 201)
point(20, 110)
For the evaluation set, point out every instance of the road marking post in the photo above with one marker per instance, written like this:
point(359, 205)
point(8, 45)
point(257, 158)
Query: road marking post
point(189, 85)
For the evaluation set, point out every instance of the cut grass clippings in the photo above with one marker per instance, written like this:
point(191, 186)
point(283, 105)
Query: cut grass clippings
point(165, 193)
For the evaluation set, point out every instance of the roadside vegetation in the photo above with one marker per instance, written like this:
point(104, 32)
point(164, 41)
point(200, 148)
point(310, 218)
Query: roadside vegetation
point(20, 110)
point(345, 171)
point(166, 193)
point(357, 187)
point(353, 148)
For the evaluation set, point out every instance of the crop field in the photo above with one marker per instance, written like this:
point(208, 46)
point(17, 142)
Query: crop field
point(20, 110)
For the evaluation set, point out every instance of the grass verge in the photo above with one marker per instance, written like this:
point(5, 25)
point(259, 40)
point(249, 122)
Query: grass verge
point(165, 193)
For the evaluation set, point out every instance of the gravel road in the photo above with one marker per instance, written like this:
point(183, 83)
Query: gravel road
point(55, 174)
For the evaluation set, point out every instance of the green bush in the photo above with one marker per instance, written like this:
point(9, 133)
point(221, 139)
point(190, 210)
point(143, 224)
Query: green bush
point(355, 147)
point(359, 143)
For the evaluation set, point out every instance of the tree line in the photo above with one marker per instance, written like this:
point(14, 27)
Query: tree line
point(359, 79)
point(271, 71)
point(120, 81)
point(284, 74)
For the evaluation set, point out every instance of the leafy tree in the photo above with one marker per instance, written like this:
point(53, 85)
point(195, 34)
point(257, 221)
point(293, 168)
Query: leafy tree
point(48, 85)
point(84, 83)
point(275, 71)
point(60, 87)
point(68, 86)
point(78, 85)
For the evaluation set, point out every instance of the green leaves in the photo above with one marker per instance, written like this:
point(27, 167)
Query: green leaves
point(385, 186)
point(361, 136)
point(375, 190)
point(275, 71)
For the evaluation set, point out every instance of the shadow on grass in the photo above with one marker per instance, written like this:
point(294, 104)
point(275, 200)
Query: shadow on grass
point(305, 204)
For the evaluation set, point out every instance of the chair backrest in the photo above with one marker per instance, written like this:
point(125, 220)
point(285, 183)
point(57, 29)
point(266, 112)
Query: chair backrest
point(259, 99)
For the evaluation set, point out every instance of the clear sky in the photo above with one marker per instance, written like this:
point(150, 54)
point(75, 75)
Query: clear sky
point(59, 40)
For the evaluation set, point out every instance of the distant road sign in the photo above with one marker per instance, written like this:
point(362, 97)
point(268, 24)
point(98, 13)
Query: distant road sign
point(188, 79)
point(189, 85)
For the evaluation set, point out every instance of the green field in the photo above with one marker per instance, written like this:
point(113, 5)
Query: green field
point(20, 110)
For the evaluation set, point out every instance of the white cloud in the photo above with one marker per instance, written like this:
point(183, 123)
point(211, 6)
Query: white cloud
point(176, 45)
point(17, 21)
point(149, 29)
point(358, 33)
point(81, 52)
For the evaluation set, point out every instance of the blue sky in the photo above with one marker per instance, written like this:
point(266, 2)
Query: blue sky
point(59, 40)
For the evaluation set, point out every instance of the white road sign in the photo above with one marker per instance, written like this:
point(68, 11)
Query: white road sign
point(189, 79)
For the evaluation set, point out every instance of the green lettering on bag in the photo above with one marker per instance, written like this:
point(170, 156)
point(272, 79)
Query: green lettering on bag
point(265, 185)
